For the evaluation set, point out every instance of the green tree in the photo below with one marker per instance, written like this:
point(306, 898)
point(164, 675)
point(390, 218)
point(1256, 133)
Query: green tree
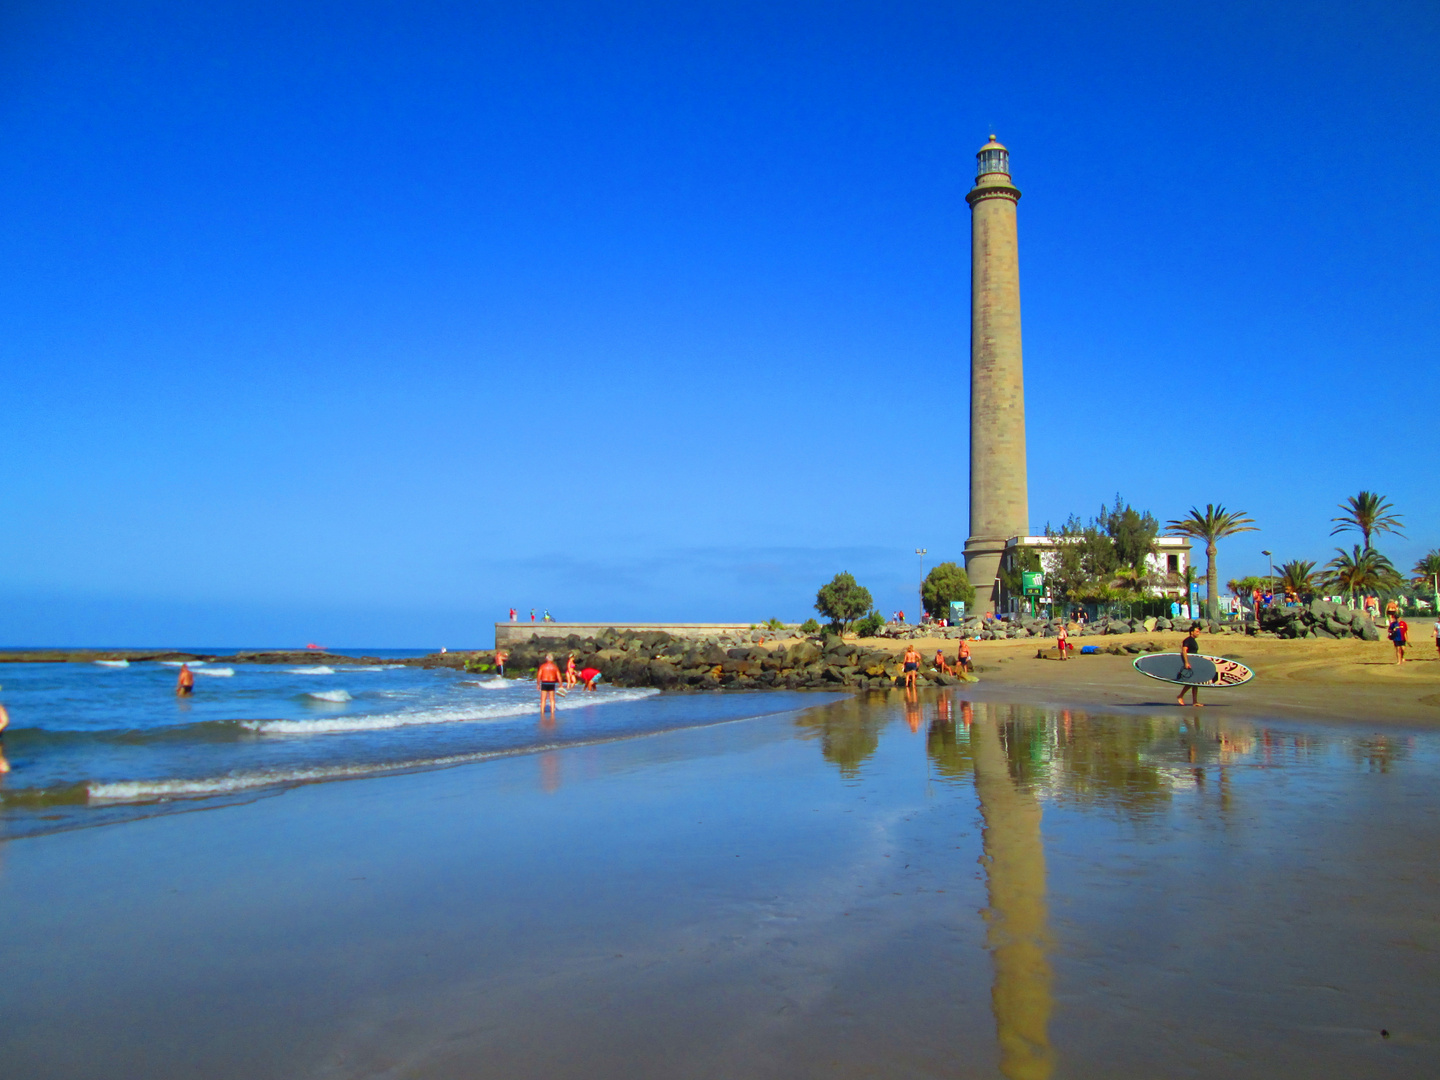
point(1367, 514)
point(946, 582)
point(1012, 576)
point(1067, 570)
point(1361, 570)
point(1427, 567)
point(1299, 576)
point(843, 601)
point(1213, 525)
point(809, 626)
point(1131, 533)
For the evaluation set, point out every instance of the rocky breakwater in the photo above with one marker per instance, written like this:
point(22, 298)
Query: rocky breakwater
point(656, 659)
point(1318, 619)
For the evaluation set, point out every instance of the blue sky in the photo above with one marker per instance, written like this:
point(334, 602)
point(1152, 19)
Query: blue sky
point(360, 323)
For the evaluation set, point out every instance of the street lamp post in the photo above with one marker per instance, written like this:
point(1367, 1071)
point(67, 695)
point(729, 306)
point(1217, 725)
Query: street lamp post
point(920, 589)
point(1270, 580)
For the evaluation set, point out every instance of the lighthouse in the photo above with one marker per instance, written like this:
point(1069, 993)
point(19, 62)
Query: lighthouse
point(999, 505)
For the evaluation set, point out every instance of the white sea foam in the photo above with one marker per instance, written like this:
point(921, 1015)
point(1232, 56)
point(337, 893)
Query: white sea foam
point(123, 791)
point(462, 714)
point(113, 663)
point(182, 663)
point(498, 683)
point(319, 669)
point(330, 695)
point(221, 672)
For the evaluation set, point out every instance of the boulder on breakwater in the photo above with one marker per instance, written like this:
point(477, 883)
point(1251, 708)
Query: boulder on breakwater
point(654, 658)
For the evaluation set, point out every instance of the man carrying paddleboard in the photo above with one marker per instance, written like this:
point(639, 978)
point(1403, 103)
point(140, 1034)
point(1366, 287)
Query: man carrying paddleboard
point(1191, 644)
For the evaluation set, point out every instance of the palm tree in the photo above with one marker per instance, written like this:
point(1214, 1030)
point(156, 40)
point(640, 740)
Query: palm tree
point(1367, 514)
point(1428, 566)
point(1214, 524)
point(1427, 572)
point(1361, 570)
point(1298, 576)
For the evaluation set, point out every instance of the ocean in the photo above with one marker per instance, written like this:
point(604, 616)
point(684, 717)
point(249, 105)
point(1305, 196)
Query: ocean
point(90, 743)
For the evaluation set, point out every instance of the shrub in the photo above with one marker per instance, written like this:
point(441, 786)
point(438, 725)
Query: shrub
point(774, 624)
point(870, 625)
point(843, 600)
point(810, 626)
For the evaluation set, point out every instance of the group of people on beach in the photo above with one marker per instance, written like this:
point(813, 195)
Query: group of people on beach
point(910, 662)
point(548, 678)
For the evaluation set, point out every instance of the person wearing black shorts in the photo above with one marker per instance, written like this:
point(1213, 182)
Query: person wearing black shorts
point(547, 678)
point(1191, 645)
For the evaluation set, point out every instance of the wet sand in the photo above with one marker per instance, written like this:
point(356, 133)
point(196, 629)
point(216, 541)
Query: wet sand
point(955, 885)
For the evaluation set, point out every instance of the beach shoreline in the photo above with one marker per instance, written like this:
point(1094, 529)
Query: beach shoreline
point(786, 896)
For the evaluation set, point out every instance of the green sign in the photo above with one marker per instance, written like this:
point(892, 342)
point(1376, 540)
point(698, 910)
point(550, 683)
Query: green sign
point(1033, 581)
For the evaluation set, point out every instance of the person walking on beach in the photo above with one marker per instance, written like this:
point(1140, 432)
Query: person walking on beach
point(4, 723)
point(1399, 637)
point(911, 660)
point(570, 678)
point(963, 665)
point(547, 679)
point(1190, 646)
point(185, 685)
point(1062, 642)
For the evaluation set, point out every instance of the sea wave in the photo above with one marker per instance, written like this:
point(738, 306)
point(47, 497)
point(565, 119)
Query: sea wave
point(134, 791)
point(112, 663)
point(329, 695)
point(318, 669)
point(219, 672)
point(181, 663)
point(463, 714)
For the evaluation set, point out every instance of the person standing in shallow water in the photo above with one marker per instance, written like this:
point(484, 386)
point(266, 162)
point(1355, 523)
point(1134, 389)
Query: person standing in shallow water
point(4, 723)
point(185, 685)
point(547, 679)
point(911, 660)
point(1190, 646)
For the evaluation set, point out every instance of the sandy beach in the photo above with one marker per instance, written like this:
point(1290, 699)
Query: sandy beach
point(1052, 873)
point(1346, 681)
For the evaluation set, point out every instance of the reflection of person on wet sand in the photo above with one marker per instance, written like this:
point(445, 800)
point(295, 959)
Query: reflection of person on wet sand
point(1191, 644)
point(547, 679)
point(912, 709)
point(185, 685)
point(911, 660)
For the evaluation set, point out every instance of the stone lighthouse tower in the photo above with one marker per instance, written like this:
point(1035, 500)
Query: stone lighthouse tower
point(999, 507)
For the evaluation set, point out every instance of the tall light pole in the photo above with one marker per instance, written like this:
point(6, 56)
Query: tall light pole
point(920, 589)
point(1269, 581)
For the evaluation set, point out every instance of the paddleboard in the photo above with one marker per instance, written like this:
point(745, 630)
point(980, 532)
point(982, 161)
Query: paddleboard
point(1203, 670)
